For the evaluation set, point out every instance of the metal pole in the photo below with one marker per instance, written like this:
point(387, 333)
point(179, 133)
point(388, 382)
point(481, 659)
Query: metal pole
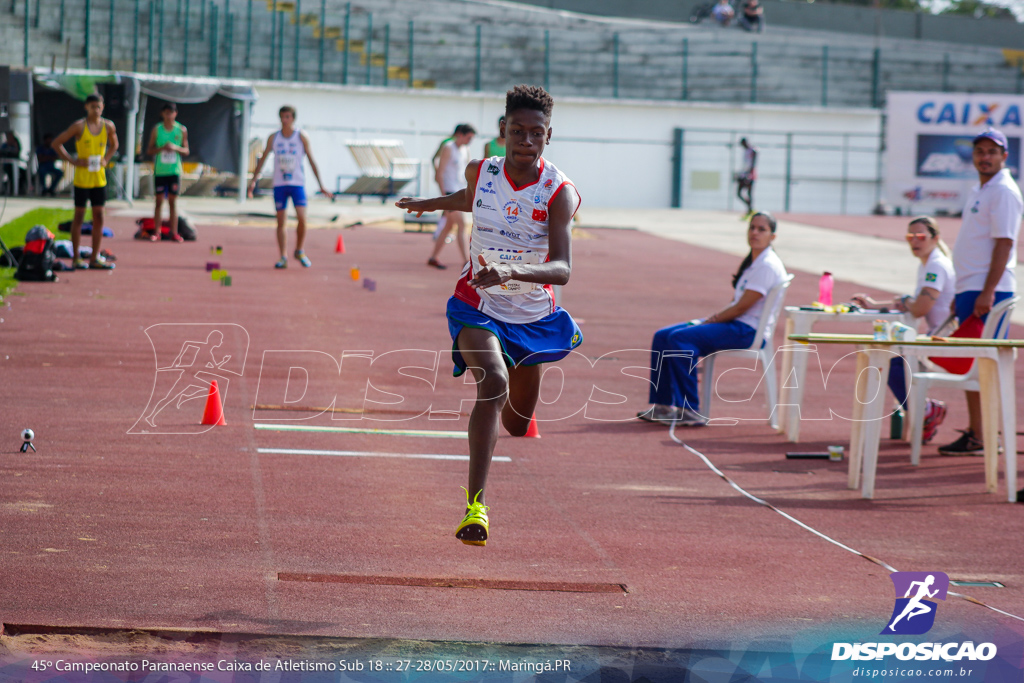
point(686, 68)
point(213, 40)
point(677, 167)
point(184, 47)
point(846, 171)
point(61, 32)
point(202, 19)
point(280, 47)
point(369, 48)
point(476, 79)
point(110, 37)
point(88, 31)
point(547, 60)
point(753, 72)
point(945, 72)
point(135, 39)
point(273, 37)
point(387, 52)
point(35, 24)
point(323, 37)
point(160, 37)
point(615, 65)
point(298, 35)
point(248, 33)
point(411, 61)
point(27, 23)
point(876, 77)
point(152, 36)
point(344, 57)
point(789, 168)
point(229, 28)
point(243, 151)
point(824, 75)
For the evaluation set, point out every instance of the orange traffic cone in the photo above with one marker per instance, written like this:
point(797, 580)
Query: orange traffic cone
point(340, 247)
point(532, 431)
point(214, 412)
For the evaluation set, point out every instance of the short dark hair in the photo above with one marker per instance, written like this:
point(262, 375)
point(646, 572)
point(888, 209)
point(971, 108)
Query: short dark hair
point(169, 106)
point(501, 120)
point(464, 129)
point(95, 97)
point(287, 108)
point(529, 97)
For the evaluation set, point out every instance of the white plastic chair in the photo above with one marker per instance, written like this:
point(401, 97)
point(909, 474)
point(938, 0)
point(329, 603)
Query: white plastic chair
point(773, 303)
point(921, 382)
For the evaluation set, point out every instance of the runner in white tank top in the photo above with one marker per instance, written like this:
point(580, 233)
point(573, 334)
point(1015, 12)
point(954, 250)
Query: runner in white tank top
point(451, 177)
point(502, 319)
point(290, 147)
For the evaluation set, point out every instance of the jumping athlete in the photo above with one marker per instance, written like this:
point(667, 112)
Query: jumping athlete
point(167, 144)
point(502, 318)
point(289, 145)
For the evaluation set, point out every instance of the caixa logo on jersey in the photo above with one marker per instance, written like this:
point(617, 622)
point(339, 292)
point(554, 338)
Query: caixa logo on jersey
point(969, 113)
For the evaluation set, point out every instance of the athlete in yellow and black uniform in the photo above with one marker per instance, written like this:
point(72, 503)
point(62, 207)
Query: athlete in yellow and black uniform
point(95, 144)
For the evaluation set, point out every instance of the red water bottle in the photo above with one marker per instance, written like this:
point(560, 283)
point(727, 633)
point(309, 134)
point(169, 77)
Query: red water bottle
point(825, 289)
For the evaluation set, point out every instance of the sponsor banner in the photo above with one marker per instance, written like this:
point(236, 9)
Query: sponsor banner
point(929, 143)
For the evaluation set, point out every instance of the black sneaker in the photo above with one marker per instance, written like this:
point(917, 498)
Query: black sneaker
point(967, 444)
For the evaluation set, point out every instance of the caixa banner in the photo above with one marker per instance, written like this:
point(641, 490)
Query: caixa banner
point(929, 136)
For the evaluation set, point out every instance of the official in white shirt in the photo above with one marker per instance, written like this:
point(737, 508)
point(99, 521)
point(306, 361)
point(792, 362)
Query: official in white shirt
point(932, 299)
point(984, 256)
point(676, 349)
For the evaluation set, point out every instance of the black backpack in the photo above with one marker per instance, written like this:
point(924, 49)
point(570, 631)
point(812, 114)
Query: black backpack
point(37, 257)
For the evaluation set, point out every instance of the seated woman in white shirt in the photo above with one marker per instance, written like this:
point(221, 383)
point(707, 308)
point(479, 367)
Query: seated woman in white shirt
point(933, 296)
point(676, 349)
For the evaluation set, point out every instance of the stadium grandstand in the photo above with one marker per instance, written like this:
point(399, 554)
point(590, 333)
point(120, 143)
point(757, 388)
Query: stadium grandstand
point(488, 46)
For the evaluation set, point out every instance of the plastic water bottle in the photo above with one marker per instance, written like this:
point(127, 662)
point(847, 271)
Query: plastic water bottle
point(825, 289)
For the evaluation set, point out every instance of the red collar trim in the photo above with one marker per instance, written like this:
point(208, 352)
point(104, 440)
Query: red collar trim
point(517, 188)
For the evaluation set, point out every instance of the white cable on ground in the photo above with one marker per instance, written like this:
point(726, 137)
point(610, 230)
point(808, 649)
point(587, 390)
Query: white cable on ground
point(880, 563)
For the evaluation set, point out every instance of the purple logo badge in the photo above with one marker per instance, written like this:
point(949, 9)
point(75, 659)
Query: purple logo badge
point(916, 592)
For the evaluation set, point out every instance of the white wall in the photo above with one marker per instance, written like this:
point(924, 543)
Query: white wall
point(619, 153)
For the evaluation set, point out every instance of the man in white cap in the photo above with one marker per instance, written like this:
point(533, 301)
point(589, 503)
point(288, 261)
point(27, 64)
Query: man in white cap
point(984, 256)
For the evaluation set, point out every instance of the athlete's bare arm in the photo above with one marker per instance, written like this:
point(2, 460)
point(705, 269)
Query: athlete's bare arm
point(748, 299)
point(183, 150)
point(312, 164)
point(151, 148)
point(259, 164)
point(558, 267)
point(112, 142)
point(456, 201)
point(73, 131)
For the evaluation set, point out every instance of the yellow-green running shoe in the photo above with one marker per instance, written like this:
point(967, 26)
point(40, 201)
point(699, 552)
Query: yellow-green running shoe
point(473, 528)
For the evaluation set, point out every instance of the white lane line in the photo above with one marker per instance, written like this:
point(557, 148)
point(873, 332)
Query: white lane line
point(375, 454)
point(427, 433)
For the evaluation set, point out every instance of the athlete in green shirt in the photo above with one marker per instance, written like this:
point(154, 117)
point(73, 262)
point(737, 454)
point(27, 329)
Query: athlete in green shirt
point(167, 144)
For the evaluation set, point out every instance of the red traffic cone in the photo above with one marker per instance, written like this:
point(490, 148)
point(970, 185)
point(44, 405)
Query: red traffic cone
point(339, 248)
point(532, 431)
point(214, 412)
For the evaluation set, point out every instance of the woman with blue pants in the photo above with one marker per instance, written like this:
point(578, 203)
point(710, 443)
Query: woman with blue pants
point(676, 349)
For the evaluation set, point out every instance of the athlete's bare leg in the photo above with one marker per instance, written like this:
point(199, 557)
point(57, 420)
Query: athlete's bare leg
point(97, 232)
point(453, 219)
point(76, 229)
point(172, 207)
point(300, 232)
point(483, 356)
point(523, 390)
point(282, 238)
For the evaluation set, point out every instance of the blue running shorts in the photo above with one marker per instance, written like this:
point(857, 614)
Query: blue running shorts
point(283, 192)
point(547, 340)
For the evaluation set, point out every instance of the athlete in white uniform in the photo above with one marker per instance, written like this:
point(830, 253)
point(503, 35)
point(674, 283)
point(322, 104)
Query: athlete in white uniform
point(290, 146)
point(451, 177)
point(502, 317)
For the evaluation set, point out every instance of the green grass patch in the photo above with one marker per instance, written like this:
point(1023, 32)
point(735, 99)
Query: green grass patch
point(13, 234)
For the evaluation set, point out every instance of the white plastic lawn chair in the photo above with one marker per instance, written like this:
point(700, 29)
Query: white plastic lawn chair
point(998, 319)
point(763, 347)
